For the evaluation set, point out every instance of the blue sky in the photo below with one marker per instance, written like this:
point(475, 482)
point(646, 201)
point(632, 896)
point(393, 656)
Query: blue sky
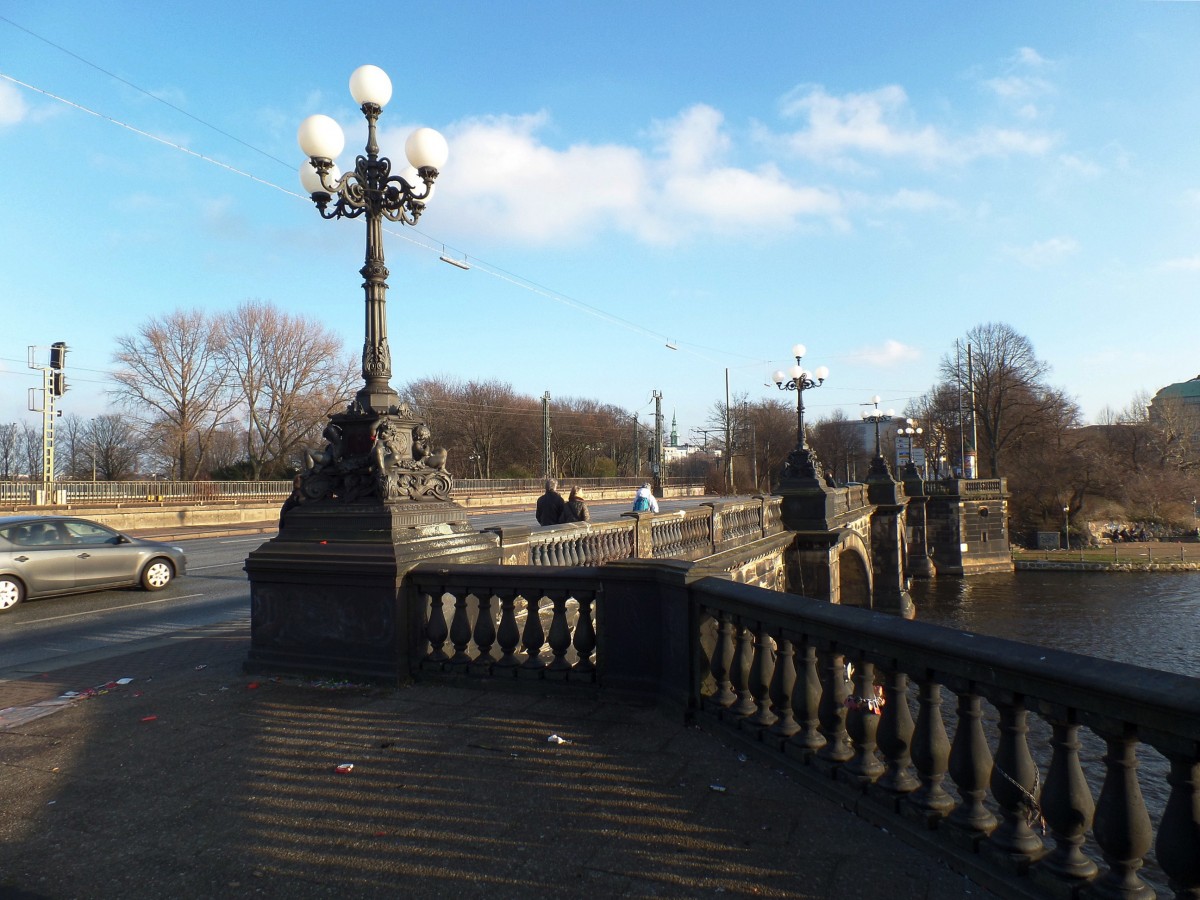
point(869, 179)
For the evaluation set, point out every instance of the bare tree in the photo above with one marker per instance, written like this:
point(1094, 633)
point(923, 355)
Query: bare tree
point(291, 374)
point(10, 438)
point(487, 427)
point(29, 449)
point(114, 445)
point(1009, 395)
point(839, 444)
point(172, 379)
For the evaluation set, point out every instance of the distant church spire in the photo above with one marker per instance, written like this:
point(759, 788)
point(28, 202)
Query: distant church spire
point(674, 431)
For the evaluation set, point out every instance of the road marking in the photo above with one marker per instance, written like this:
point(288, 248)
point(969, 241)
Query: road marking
point(93, 612)
point(253, 540)
point(192, 569)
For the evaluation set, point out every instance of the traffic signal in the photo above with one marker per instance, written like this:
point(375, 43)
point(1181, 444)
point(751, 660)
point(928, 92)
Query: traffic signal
point(58, 384)
point(58, 355)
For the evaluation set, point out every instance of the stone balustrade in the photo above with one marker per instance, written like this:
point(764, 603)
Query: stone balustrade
point(690, 534)
point(1018, 763)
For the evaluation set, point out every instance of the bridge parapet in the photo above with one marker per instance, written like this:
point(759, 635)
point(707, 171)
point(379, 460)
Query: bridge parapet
point(687, 534)
point(832, 691)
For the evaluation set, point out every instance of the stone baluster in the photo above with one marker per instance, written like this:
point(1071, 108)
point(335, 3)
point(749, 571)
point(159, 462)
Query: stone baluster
point(739, 674)
point(559, 638)
point(436, 631)
point(584, 639)
point(862, 724)
point(806, 702)
point(1015, 785)
point(485, 630)
point(760, 679)
point(533, 636)
point(832, 710)
point(1067, 804)
point(1178, 844)
point(895, 736)
point(1122, 827)
point(783, 683)
point(460, 631)
point(971, 769)
point(930, 754)
point(508, 635)
point(722, 662)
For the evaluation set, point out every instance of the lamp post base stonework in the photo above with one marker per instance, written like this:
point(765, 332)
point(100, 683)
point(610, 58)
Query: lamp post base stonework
point(325, 594)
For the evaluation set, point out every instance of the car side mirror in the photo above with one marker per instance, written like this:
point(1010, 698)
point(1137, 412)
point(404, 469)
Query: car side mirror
point(122, 539)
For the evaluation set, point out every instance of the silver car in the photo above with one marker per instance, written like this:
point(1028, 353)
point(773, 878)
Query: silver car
point(41, 556)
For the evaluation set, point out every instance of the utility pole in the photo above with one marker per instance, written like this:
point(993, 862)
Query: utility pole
point(971, 466)
point(54, 384)
point(637, 447)
point(728, 438)
point(656, 457)
point(546, 435)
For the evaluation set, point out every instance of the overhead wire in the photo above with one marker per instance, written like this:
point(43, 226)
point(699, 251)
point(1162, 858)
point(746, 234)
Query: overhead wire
point(490, 269)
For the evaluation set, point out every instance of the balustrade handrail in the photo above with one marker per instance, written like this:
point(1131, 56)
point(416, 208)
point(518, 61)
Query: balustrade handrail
point(1100, 689)
point(835, 687)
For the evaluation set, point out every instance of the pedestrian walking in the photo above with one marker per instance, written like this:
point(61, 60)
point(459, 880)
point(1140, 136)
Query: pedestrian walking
point(550, 504)
point(644, 500)
point(575, 509)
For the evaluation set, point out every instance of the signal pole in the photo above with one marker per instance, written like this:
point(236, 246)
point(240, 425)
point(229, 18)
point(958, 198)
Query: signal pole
point(54, 384)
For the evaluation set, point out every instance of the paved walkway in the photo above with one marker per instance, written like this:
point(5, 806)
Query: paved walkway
point(174, 775)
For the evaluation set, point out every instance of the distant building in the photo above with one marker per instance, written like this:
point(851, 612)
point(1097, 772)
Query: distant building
point(1183, 396)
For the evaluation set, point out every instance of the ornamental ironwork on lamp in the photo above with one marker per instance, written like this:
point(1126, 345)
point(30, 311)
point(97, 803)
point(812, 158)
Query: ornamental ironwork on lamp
point(802, 462)
point(375, 449)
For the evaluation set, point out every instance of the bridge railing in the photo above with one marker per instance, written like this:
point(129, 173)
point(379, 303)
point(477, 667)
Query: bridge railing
point(976, 488)
point(76, 492)
point(684, 534)
point(1031, 773)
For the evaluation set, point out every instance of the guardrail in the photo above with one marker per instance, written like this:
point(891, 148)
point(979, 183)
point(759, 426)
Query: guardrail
point(74, 492)
point(853, 700)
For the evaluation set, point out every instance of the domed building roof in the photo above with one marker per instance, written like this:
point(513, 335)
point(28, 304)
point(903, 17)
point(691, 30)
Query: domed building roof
point(1181, 389)
point(1182, 392)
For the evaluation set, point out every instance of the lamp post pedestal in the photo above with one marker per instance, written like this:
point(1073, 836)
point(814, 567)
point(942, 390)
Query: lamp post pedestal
point(335, 604)
point(325, 593)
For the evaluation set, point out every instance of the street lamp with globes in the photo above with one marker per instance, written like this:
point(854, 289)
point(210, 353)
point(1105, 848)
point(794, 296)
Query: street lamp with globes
point(910, 431)
point(374, 450)
point(371, 191)
point(801, 461)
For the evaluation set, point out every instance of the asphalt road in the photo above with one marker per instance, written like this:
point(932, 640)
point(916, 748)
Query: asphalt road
point(48, 634)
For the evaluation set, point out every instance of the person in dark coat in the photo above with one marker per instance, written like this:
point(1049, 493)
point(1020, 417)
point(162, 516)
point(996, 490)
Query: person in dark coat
point(575, 509)
point(550, 504)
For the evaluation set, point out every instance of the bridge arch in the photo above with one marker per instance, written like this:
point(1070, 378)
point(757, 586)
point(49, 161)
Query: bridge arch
point(850, 561)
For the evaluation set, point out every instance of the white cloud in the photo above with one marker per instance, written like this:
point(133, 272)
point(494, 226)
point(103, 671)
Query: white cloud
point(1043, 253)
point(508, 182)
point(13, 108)
point(881, 124)
point(888, 354)
point(1182, 264)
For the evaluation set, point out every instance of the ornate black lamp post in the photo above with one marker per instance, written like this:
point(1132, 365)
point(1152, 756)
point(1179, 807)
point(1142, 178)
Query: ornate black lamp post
point(374, 448)
point(879, 466)
point(801, 462)
point(910, 431)
point(326, 594)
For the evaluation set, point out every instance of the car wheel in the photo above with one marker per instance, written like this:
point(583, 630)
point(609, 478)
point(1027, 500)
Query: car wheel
point(12, 592)
point(157, 574)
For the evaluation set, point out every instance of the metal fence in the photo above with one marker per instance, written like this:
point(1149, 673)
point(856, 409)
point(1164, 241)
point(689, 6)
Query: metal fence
point(76, 492)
